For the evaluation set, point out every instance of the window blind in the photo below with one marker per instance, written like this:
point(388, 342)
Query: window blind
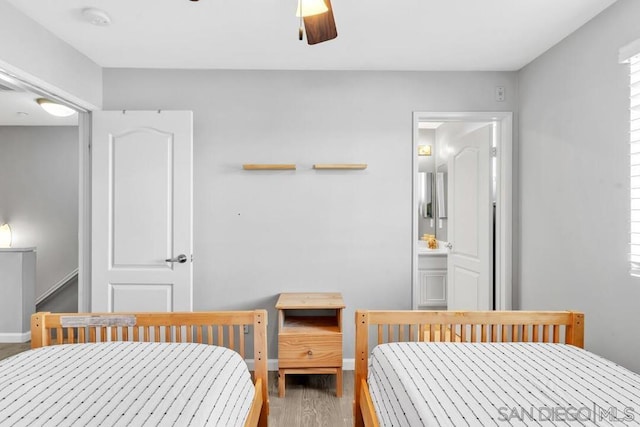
point(634, 140)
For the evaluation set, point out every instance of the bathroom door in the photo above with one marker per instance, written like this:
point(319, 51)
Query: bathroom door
point(470, 260)
point(141, 211)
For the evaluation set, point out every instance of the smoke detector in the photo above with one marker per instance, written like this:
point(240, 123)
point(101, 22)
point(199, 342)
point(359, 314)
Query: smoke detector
point(96, 16)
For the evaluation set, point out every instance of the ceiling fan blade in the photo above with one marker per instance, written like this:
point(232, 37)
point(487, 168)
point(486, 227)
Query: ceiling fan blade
point(321, 28)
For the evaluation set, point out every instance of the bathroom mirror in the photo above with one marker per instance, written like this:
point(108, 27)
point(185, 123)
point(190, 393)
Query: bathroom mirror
point(441, 194)
point(425, 202)
point(432, 184)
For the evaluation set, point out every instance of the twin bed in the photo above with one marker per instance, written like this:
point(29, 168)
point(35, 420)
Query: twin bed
point(427, 368)
point(138, 369)
point(485, 368)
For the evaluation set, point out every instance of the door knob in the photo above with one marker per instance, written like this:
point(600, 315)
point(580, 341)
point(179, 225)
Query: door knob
point(182, 258)
point(449, 245)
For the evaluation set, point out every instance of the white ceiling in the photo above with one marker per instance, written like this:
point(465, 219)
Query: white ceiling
point(262, 34)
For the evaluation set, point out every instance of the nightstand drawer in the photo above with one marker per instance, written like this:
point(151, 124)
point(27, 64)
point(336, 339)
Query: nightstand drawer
point(307, 350)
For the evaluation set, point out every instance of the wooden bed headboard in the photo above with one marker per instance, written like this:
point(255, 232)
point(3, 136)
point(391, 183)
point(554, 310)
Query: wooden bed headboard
point(222, 328)
point(457, 326)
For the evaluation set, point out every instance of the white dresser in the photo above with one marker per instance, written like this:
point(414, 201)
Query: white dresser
point(17, 287)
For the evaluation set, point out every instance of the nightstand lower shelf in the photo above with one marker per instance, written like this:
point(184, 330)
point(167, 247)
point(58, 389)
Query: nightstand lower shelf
point(282, 373)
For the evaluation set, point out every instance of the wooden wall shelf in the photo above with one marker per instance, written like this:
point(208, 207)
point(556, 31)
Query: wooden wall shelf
point(268, 167)
point(351, 166)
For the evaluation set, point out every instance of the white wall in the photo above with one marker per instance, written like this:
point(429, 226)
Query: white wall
point(39, 196)
point(261, 233)
point(27, 48)
point(574, 183)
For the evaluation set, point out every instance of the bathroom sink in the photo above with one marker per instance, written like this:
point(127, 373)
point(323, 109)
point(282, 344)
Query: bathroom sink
point(424, 250)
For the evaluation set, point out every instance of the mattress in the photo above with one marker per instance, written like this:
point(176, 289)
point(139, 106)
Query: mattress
point(481, 384)
point(125, 384)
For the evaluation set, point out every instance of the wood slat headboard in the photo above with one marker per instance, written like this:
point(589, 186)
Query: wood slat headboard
point(222, 328)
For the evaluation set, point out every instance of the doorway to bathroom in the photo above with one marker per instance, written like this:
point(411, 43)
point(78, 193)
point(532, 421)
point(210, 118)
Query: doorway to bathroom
point(462, 203)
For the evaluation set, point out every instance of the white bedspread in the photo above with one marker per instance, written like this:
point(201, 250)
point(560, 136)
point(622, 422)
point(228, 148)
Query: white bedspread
point(449, 384)
point(125, 384)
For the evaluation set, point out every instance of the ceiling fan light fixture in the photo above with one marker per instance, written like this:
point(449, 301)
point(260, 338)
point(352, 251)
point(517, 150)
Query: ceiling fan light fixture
point(311, 8)
point(54, 108)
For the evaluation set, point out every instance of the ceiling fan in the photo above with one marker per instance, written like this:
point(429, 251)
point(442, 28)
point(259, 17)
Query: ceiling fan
point(316, 18)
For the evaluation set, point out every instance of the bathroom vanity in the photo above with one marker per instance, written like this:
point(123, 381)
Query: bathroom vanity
point(432, 278)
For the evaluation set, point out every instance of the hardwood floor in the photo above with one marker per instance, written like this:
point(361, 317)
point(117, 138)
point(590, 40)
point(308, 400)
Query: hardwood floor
point(310, 400)
point(8, 350)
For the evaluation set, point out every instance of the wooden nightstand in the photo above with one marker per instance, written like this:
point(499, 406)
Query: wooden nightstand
point(310, 336)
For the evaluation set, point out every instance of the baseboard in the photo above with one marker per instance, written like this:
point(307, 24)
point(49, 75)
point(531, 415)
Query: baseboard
point(272, 364)
point(348, 364)
point(15, 337)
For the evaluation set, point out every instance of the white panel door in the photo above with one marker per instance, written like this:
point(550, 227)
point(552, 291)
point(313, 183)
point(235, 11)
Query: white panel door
point(141, 211)
point(470, 216)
